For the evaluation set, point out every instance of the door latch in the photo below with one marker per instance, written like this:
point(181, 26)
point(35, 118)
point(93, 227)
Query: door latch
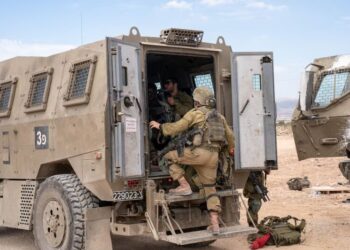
point(117, 112)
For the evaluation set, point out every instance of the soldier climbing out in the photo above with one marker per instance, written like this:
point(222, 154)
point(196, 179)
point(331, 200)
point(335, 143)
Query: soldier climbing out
point(203, 154)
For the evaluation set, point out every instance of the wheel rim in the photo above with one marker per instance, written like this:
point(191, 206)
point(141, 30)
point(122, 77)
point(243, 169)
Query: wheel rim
point(54, 223)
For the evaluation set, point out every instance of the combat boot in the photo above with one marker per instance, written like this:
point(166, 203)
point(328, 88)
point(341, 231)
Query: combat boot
point(214, 228)
point(183, 189)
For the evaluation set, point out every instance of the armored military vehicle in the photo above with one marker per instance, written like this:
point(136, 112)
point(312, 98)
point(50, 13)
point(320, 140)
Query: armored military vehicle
point(321, 121)
point(75, 143)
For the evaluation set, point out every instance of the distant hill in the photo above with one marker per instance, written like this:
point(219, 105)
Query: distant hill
point(285, 108)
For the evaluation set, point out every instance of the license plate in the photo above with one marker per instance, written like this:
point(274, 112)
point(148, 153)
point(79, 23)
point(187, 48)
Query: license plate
point(128, 195)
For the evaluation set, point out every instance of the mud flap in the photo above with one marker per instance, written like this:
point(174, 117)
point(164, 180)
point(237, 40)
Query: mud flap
point(98, 229)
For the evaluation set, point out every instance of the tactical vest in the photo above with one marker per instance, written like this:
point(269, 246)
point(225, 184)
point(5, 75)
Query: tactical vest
point(213, 130)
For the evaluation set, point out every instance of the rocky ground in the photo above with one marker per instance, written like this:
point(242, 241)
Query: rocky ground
point(328, 219)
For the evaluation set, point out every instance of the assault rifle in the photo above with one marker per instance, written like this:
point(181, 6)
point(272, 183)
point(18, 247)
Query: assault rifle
point(179, 142)
point(259, 187)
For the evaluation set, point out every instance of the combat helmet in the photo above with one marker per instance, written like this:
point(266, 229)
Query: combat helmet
point(204, 96)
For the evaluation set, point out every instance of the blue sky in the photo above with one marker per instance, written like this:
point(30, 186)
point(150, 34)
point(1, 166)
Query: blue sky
point(295, 30)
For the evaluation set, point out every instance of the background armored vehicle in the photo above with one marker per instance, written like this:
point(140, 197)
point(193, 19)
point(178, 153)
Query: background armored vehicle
point(77, 158)
point(321, 121)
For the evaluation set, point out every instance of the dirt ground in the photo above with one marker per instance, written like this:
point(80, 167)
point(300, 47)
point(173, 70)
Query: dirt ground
point(328, 219)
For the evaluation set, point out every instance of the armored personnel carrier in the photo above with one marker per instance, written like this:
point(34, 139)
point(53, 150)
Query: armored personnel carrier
point(77, 161)
point(321, 121)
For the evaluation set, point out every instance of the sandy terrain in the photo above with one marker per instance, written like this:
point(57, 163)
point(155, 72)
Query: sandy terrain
point(328, 219)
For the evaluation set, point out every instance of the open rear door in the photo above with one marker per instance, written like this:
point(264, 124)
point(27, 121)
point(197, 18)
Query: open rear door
point(254, 111)
point(126, 102)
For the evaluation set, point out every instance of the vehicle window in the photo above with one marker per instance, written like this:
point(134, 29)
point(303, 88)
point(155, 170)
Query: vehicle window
point(203, 80)
point(79, 80)
point(39, 91)
point(332, 86)
point(7, 92)
point(80, 83)
point(256, 82)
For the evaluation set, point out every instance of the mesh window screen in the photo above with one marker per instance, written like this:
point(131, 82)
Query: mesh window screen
point(331, 87)
point(5, 94)
point(38, 89)
point(256, 82)
point(79, 79)
point(204, 80)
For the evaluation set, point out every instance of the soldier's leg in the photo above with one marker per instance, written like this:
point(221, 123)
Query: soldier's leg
point(177, 173)
point(204, 161)
point(207, 172)
point(190, 157)
point(254, 205)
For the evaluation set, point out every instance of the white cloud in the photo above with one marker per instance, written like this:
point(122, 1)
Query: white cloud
point(177, 4)
point(265, 6)
point(12, 48)
point(216, 2)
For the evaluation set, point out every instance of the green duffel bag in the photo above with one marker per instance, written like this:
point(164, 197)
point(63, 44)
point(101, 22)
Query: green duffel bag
point(284, 230)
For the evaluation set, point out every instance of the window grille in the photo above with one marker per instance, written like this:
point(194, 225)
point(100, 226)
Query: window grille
point(7, 92)
point(204, 80)
point(79, 79)
point(256, 82)
point(332, 86)
point(39, 91)
point(80, 82)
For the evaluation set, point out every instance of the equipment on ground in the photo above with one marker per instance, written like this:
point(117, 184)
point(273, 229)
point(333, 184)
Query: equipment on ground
point(284, 231)
point(298, 183)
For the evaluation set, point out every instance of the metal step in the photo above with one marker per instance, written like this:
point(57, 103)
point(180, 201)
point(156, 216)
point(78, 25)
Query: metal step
point(204, 235)
point(198, 196)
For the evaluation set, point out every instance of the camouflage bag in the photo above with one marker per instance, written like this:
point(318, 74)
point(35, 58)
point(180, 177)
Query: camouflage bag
point(298, 183)
point(284, 231)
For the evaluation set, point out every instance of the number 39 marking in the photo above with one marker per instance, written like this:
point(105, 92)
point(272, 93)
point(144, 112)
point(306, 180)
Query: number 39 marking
point(41, 137)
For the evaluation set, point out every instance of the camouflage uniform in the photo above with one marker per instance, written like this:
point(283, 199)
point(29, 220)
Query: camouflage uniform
point(183, 103)
point(204, 158)
point(254, 198)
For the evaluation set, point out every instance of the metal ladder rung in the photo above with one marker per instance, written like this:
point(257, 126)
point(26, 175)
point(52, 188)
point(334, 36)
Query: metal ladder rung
point(204, 235)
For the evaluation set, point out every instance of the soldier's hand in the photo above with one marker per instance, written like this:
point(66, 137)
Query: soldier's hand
point(232, 152)
point(171, 101)
point(154, 124)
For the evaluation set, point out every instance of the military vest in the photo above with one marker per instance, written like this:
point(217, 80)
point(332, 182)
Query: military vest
point(213, 130)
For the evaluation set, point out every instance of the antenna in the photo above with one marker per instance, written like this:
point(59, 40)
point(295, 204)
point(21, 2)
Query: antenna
point(81, 27)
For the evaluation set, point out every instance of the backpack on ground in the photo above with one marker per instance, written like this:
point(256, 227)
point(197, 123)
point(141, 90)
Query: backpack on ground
point(284, 231)
point(298, 183)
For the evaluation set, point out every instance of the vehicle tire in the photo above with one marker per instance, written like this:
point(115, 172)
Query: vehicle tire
point(58, 218)
point(200, 244)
